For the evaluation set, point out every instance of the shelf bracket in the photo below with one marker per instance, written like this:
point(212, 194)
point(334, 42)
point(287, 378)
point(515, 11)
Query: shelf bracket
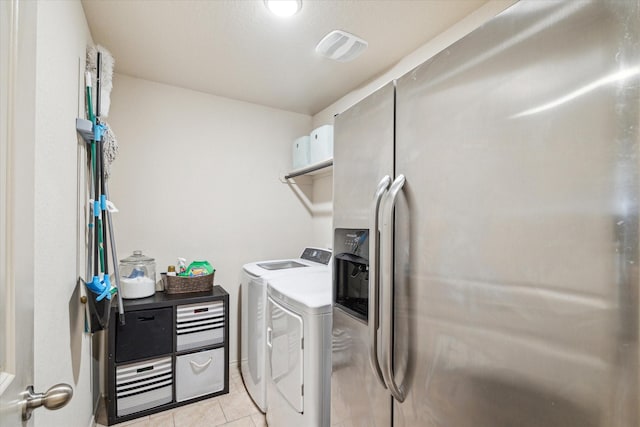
point(314, 209)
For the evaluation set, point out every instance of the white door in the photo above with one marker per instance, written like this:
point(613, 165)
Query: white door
point(16, 301)
point(17, 111)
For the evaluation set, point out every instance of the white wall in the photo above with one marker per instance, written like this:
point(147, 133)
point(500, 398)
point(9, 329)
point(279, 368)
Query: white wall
point(62, 350)
point(322, 195)
point(322, 227)
point(198, 177)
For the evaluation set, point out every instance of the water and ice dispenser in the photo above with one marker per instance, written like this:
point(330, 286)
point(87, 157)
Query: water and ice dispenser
point(351, 271)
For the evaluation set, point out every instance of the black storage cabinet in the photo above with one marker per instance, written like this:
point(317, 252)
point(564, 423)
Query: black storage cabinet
point(146, 333)
point(149, 334)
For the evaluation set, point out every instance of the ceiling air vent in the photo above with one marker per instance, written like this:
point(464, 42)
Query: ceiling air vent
point(341, 46)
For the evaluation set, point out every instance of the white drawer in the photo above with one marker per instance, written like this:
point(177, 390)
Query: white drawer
point(143, 385)
point(199, 325)
point(199, 373)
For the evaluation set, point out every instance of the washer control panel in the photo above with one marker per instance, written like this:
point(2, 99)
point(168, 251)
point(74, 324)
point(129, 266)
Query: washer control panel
point(321, 256)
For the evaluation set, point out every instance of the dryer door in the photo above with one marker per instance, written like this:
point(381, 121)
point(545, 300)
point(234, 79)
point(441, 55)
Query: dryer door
point(286, 353)
point(254, 326)
point(257, 290)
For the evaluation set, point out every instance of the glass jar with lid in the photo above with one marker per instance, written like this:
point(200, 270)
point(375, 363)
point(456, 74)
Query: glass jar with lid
point(137, 276)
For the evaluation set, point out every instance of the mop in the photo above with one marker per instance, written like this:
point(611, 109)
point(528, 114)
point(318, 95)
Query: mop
point(104, 149)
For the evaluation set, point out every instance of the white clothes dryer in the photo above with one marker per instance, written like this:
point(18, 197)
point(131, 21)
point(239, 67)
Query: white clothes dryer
point(299, 349)
point(253, 284)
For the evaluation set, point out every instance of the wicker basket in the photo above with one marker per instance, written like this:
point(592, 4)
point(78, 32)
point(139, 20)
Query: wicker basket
point(183, 285)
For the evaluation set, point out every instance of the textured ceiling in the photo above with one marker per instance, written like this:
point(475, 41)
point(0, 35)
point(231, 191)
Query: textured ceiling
point(237, 49)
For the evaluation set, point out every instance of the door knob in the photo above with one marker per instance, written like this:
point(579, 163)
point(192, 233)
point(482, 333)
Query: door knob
point(54, 398)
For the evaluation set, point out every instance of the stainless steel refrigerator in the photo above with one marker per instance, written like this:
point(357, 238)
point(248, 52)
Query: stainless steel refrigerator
point(486, 230)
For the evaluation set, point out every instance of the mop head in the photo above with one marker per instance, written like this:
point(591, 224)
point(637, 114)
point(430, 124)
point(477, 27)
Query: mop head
point(110, 149)
point(106, 75)
point(106, 84)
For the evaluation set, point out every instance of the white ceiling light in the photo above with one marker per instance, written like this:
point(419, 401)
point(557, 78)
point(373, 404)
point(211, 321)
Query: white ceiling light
point(284, 7)
point(341, 46)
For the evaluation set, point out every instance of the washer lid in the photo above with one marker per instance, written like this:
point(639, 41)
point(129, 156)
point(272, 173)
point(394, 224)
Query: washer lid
point(308, 292)
point(257, 269)
point(281, 265)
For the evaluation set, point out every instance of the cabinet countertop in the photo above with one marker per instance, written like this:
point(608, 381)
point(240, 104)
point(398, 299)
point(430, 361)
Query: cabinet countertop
point(163, 299)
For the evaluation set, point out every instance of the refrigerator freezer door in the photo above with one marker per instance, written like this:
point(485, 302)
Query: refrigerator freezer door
point(362, 155)
point(516, 242)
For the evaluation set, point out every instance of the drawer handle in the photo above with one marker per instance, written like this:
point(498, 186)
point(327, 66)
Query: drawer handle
point(204, 365)
point(146, 318)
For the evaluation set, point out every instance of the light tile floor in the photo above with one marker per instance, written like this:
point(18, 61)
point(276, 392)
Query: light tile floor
point(235, 409)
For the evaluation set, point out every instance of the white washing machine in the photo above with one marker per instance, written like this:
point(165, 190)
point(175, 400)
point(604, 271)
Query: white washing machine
point(254, 278)
point(299, 349)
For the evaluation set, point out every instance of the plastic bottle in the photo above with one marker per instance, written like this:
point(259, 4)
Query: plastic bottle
point(199, 268)
point(171, 270)
point(182, 265)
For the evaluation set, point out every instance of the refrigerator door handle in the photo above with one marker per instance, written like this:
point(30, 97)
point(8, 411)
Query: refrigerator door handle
point(387, 238)
point(374, 277)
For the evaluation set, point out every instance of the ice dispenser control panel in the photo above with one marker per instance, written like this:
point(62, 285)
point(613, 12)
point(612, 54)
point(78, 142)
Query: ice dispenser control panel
point(353, 241)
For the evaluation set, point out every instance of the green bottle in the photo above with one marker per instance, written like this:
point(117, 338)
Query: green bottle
point(199, 268)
